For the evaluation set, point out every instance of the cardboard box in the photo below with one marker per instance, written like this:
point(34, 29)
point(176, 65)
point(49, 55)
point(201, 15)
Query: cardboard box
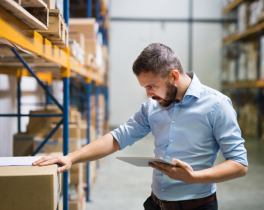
point(87, 26)
point(41, 125)
point(77, 176)
point(57, 146)
point(79, 38)
point(29, 187)
point(76, 168)
point(93, 172)
point(74, 116)
point(90, 46)
point(74, 205)
point(83, 135)
point(23, 144)
point(50, 4)
point(74, 132)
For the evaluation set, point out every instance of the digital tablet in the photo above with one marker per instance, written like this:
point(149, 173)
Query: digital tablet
point(144, 161)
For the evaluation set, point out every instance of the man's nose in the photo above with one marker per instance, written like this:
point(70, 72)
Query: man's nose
point(149, 94)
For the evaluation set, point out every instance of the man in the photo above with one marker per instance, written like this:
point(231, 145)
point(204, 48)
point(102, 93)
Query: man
point(190, 123)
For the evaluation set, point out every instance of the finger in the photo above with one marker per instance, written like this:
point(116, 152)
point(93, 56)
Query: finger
point(42, 160)
point(162, 165)
point(158, 168)
point(62, 169)
point(50, 162)
point(180, 163)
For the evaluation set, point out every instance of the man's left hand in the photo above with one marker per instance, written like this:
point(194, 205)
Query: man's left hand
point(182, 171)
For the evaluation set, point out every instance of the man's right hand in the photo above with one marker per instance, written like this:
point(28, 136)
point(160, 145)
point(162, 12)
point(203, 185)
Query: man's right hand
point(64, 162)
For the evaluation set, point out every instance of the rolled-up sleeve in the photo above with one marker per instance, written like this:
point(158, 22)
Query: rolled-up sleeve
point(228, 134)
point(134, 129)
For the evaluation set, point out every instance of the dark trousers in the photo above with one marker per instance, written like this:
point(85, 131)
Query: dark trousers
point(151, 205)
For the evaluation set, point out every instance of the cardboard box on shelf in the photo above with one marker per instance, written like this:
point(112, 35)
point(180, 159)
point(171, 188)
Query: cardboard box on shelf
point(50, 4)
point(232, 71)
point(57, 145)
point(77, 176)
point(23, 144)
point(252, 61)
point(74, 114)
point(90, 46)
point(243, 16)
point(242, 73)
point(93, 172)
point(88, 59)
point(74, 205)
point(105, 51)
point(79, 38)
point(262, 58)
point(74, 132)
point(76, 191)
point(248, 120)
point(75, 117)
point(76, 168)
point(84, 133)
point(87, 26)
point(29, 187)
point(41, 125)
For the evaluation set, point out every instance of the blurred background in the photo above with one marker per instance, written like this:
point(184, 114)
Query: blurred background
point(221, 41)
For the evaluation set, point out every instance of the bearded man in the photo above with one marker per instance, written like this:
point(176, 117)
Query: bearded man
point(190, 123)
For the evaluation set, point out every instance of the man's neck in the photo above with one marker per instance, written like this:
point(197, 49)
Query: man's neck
point(183, 85)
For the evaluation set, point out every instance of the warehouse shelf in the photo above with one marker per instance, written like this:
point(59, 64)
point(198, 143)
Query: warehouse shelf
point(246, 84)
point(246, 34)
point(15, 33)
point(231, 6)
point(250, 34)
point(25, 52)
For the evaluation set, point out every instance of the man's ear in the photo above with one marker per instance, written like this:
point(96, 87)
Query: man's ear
point(175, 75)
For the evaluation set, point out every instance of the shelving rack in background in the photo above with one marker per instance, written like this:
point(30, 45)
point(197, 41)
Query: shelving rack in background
point(50, 62)
point(233, 49)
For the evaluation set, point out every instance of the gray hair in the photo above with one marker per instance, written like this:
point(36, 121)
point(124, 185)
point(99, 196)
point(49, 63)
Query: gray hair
point(158, 59)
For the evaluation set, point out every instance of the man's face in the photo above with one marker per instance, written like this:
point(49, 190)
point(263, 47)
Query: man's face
point(158, 88)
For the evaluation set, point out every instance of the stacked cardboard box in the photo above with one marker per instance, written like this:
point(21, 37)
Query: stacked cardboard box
point(83, 31)
point(248, 120)
point(23, 143)
point(252, 61)
point(247, 63)
point(41, 125)
point(29, 187)
point(243, 16)
point(93, 173)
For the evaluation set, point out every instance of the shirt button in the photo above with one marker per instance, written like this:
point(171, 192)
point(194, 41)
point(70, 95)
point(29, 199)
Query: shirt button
point(173, 121)
point(162, 189)
point(171, 140)
point(168, 156)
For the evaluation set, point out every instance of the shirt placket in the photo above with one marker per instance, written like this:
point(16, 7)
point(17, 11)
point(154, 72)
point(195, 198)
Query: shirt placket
point(176, 110)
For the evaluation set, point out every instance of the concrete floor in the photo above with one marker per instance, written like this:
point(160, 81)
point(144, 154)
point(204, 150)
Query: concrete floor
point(122, 186)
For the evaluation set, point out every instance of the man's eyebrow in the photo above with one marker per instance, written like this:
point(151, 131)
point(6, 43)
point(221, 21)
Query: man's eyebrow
point(149, 85)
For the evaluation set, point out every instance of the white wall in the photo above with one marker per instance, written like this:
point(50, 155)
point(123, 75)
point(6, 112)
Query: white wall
point(128, 38)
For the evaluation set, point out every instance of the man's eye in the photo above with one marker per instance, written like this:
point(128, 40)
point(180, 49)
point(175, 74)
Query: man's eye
point(152, 86)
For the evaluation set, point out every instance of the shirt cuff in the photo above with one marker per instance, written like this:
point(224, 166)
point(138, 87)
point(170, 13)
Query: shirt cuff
point(240, 159)
point(115, 135)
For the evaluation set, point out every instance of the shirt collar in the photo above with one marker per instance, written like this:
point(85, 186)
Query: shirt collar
point(195, 87)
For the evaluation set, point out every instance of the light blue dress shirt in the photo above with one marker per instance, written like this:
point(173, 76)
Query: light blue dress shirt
point(193, 131)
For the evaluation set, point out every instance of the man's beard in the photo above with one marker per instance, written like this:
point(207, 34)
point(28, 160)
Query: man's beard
point(170, 95)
